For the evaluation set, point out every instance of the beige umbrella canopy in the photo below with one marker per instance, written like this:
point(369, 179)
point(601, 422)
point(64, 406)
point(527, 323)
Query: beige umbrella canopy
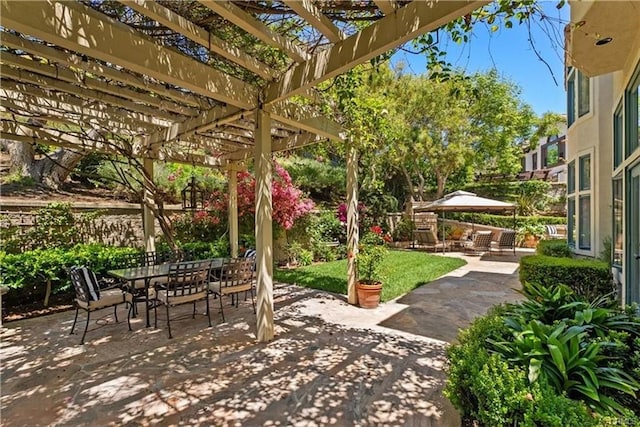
point(464, 201)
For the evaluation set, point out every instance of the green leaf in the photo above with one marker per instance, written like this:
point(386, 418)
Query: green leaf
point(558, 360)
point(534, 369)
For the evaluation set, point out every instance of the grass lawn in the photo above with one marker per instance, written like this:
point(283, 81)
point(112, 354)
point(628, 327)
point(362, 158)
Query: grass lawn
point(403, 271)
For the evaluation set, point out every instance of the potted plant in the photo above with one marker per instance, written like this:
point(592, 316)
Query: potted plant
point(529, 235)
point(371, 253)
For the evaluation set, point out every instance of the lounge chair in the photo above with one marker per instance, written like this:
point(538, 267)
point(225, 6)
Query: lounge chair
point(428, 239)
point(507, 240)
point(481, 243)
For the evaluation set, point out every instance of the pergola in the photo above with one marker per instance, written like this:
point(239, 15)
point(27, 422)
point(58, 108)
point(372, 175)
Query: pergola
point(210, 82)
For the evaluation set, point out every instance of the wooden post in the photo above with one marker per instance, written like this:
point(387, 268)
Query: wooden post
point(264, 232)
point(232, 171)
point(352, 224)
point(148, 220)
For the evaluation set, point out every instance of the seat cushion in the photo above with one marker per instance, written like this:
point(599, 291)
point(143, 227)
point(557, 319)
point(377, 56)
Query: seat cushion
point(107, 299)
point(181, 299)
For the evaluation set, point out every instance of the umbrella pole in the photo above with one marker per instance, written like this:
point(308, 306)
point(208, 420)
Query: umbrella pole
point(444, 242)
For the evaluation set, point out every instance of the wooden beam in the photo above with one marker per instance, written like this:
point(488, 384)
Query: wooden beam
point(66, 75)
point(82, 63)
point(88, 94)
point(26, 133)
point(386, 6)
point(306, 119)
point(282, 144)
point(205, 121)
point(264, 225)
point(251, 25)
point(148, 219)
point(36, 134)
point(199, 35)
point(352, 224)
point(30, 109)
point(76, 105)
point(314, 16)
point(408, 22)
point(83, 30)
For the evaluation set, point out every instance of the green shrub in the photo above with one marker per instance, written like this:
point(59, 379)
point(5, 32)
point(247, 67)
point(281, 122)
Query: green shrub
point(403, 230)
point(555, 248)
point(26, 274)
point(468, 357)
point(587, 278)
point(488, 389)
point(506, 221)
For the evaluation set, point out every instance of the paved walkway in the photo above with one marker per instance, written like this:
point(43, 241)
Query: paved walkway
point(330, 364)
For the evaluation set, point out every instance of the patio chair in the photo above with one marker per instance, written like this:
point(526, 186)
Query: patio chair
point(507, 240)
point(89, 297)
point(481, 242)
point(187, 282)
point(429, 240)
point(235, 276)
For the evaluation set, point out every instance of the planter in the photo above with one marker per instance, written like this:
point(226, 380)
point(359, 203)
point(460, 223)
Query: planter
point(530, 241)
point(368, 294)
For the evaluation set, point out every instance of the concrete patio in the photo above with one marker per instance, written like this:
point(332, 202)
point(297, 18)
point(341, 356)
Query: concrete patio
point(330, 364)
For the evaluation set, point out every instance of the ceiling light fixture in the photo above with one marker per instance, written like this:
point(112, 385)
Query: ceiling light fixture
point(603, 41)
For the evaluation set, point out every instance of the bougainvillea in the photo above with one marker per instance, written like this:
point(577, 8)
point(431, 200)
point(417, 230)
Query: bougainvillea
point(288, 202)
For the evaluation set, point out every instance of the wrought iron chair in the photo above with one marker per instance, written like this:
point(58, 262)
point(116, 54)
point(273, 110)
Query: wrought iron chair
point(481, 242)
point(186, 283)
point(235, 276)
point(90, 297)
point(507, 240)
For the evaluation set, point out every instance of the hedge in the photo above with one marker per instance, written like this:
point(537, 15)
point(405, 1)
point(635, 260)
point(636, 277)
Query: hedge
point(554, 248)
point(588, 278)
point(26, 274)
point(506, 221)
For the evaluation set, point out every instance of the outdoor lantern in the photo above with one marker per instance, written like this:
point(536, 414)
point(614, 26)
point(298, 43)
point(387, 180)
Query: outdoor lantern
point(193, 196)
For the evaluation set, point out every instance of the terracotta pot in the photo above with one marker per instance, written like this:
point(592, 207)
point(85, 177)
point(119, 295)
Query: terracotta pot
point(369, 294)
point(530, 241)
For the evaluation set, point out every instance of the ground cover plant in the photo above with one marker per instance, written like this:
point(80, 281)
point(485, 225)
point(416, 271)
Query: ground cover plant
point(402, 271)
point(555, 359)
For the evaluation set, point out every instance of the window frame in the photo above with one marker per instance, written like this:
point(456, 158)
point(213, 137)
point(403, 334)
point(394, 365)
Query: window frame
point(618, 135)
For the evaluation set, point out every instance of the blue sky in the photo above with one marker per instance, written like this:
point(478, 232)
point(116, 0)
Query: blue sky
point(510, 52)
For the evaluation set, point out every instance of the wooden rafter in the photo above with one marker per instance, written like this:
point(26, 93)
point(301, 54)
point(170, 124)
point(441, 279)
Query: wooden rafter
point(307, 11)
point(67, 24)
point(199, 35)
point(406, 23)
point(83, 63)
point(386, 6)
point(251, 25)
point(77, 105)
point(122, 93)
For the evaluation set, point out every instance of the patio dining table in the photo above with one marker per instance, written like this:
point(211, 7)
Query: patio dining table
point(148, 273)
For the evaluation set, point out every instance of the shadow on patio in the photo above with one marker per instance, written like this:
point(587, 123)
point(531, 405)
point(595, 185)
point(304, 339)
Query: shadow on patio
point(313, 373)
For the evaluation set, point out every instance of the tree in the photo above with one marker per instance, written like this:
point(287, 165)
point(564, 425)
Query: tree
point(454, 123)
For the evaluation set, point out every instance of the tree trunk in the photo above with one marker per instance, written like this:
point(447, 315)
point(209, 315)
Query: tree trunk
point(441, 181)
point(50, 171)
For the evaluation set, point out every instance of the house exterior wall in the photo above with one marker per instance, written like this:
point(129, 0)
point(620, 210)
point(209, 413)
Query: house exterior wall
point(610, 131)
point(558, 171)
point(591, 135)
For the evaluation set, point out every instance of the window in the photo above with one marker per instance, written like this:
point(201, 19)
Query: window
point(578, 96)
point(552, 155)
point(618, 136)
point(579, 209)
point(571, 222)
point(571, 177)
point(632, 113)
point(583, 94)
point(534, 161)
point(585, 173)
point(571, 99)
point(584, 223)
point(617, 221)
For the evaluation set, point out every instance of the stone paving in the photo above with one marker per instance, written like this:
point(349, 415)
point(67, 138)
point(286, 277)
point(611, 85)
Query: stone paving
point(330, 364)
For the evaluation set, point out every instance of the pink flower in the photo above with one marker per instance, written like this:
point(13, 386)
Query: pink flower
point(171, 177)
